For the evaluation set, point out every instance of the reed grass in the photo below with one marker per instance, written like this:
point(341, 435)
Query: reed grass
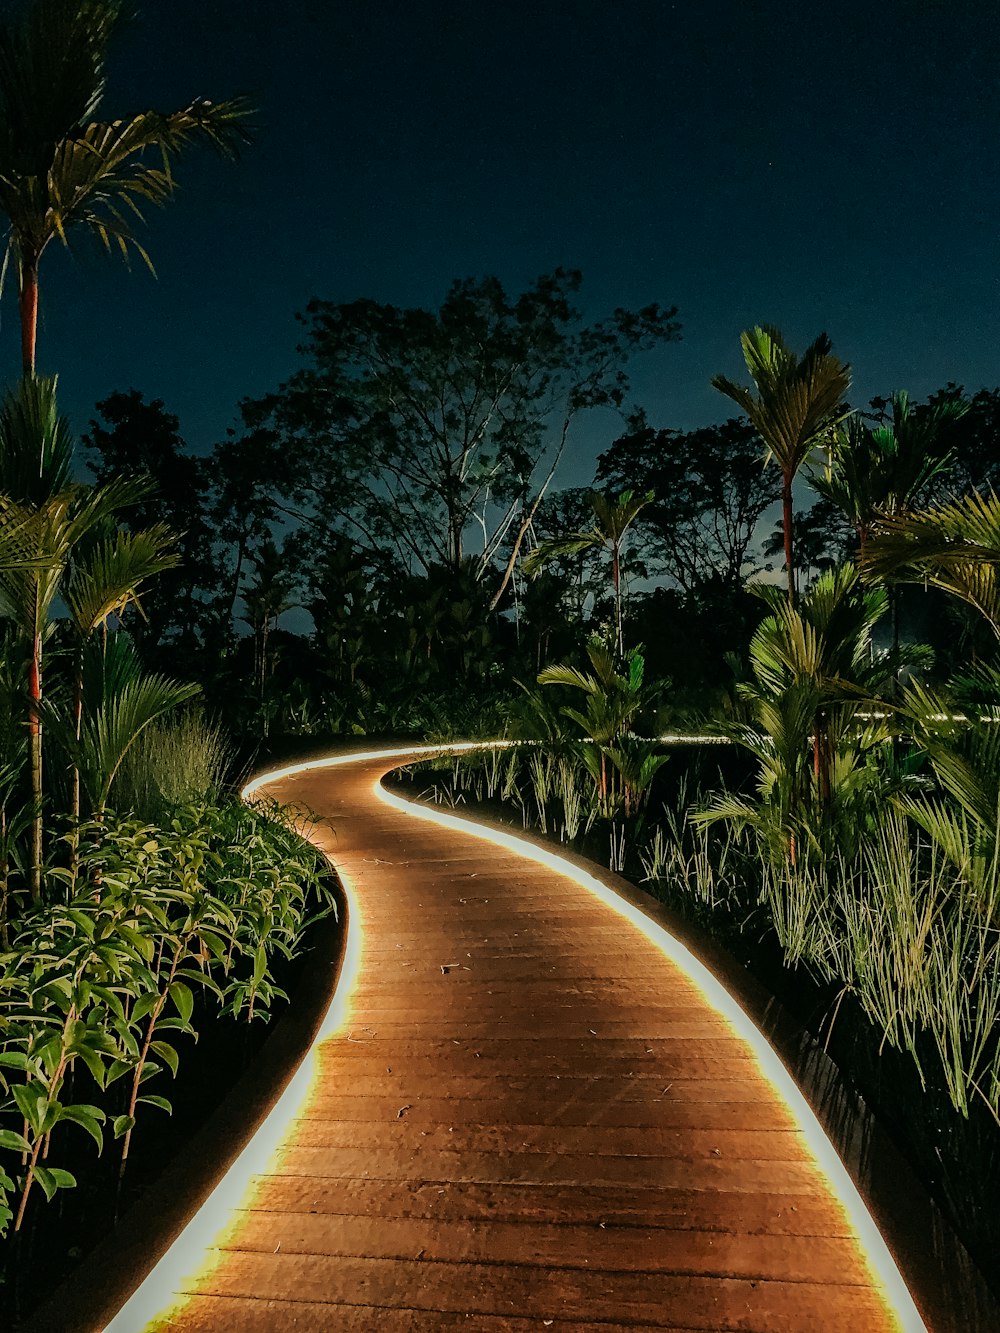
point(175, 761)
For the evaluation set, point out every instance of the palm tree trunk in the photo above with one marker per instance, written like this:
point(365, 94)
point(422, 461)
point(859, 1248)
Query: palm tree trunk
point(74, 809)
point(28, 301)
point(77, 729)
point(35, 739)
point(821, 761)
point(786, 518)
point(616, 579)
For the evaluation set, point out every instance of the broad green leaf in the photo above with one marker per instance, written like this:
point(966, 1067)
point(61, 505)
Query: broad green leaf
point(144, 1005)
point(259, 965)
point(31, 1103)
point(167, 1054)
point(182, 997)
point(91, 1058)
point(152, 1100)
point(116, 1069)
point(15, 1142)
point(52, 1178)
point(87, 1117)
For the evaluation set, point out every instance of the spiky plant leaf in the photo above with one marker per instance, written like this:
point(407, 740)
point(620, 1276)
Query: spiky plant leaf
point(797, 401)
point(112, 572)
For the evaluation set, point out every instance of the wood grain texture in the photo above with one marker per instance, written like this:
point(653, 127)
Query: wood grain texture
point(531, 1119)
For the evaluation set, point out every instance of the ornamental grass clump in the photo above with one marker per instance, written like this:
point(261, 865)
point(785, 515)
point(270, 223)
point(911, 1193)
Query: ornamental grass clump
point(181, 759)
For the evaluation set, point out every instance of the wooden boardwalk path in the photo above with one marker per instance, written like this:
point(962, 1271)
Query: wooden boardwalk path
point(530, 1119)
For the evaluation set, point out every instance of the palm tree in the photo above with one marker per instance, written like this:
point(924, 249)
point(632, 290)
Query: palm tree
point(812, 672)
point(613, 518)
point(823, 648)
point(106, 577)
point(797, 403)
point(63, 169)
point(122, 701)
point(954, 546)
point(52, 515)
point(613, 699)
point(881, 471)
point(265, 601)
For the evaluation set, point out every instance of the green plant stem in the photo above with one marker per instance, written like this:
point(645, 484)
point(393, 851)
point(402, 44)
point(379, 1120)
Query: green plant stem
point(53, 1089)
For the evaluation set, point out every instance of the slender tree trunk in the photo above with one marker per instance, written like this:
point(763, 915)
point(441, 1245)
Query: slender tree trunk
point(28, 301)
point(786, 517)
point(77, 730)
point(35, 745)
point(616, 578)
point(821, 761)
point(894, 604)
point(74, 799)
point(4, 880)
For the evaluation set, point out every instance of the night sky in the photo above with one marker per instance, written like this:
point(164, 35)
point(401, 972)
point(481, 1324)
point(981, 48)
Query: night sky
point(812, 166)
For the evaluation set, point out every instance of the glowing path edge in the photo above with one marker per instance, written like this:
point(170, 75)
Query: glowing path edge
point(162, 1288)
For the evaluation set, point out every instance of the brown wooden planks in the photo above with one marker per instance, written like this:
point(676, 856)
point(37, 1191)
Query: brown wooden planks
point(529, 1116)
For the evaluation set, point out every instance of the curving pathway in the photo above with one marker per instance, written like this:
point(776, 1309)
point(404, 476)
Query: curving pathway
point(529, 1119)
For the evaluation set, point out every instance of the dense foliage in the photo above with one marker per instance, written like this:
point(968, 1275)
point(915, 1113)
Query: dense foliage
point(380, 547)
point(160, 928)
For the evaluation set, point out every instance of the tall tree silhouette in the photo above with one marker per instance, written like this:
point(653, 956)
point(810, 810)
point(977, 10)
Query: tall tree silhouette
point(797, 402)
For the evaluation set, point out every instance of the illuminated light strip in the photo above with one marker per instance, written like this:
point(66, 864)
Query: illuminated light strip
point(676, 738)
point(163, 1288)
point(879, 1258)
point(358, 757)
point(932, 717)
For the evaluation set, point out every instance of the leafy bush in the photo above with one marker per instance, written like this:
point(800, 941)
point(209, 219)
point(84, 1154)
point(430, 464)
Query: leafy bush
point(159, 926)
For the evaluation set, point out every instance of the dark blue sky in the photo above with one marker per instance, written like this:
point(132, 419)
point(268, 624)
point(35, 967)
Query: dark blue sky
point(812, 166)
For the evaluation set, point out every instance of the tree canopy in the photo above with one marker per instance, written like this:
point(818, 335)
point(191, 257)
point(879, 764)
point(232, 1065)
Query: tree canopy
point(432, 435)
point(710, 488)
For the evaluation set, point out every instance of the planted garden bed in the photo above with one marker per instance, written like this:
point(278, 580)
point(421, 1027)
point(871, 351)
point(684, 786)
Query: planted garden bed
point(713, 876)
point(130, 1009)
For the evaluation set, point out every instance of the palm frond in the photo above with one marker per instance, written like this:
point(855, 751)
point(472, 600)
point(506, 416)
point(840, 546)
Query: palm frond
point(954, 546)
point(561, 674)
point(52, 76)
point(798, 400)
point(36, 444)
point(113, 571)
point(120, 702)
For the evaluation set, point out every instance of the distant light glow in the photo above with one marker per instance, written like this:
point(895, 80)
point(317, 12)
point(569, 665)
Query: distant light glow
point(679, 738)
point(193, 1250)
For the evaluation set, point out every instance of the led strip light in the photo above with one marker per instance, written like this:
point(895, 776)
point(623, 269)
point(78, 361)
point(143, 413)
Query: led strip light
point(186, 1256)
